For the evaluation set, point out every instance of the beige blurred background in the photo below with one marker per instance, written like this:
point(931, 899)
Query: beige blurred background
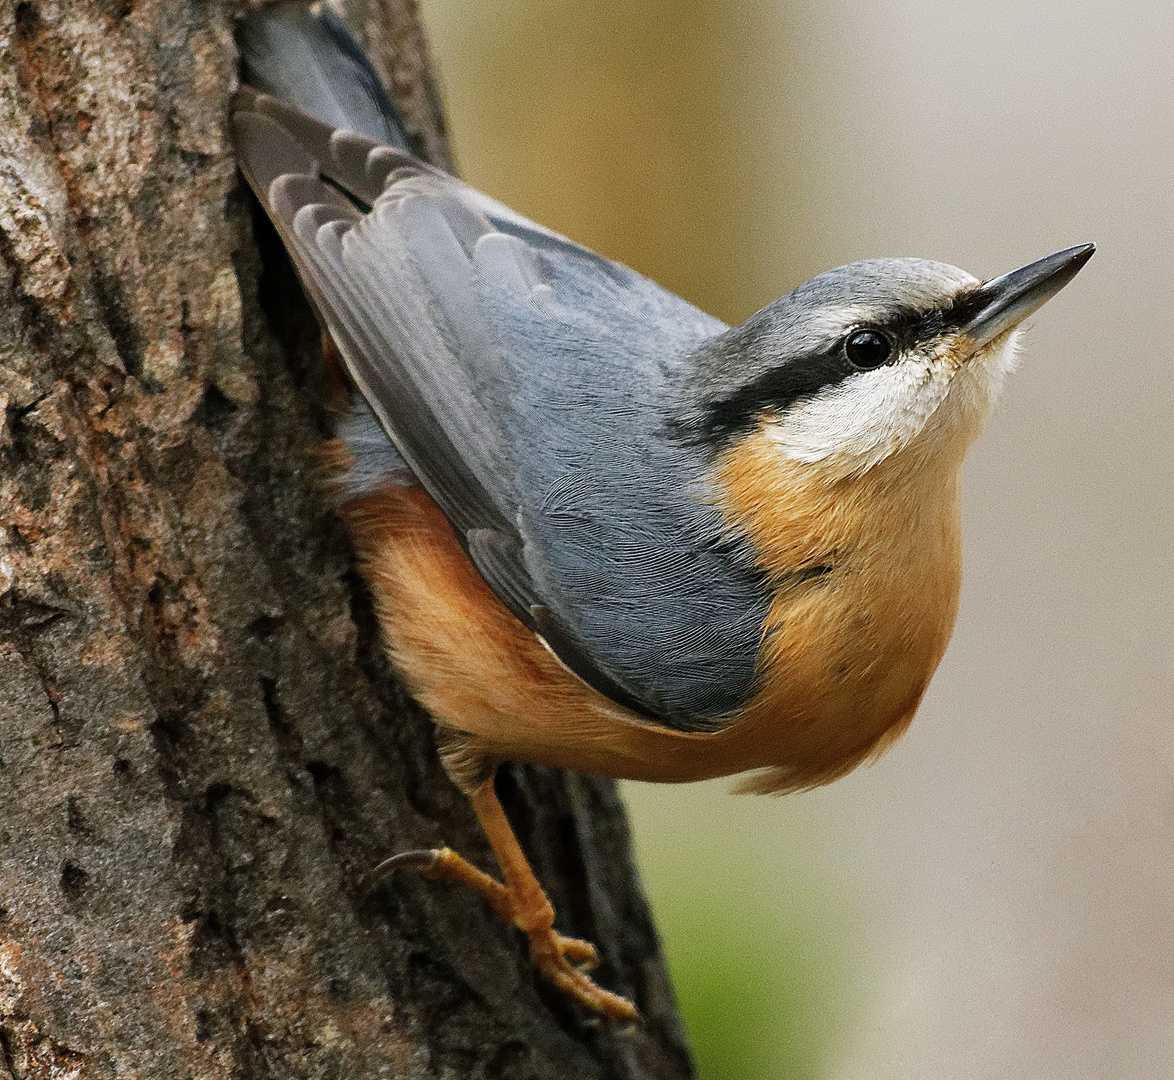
point(995, 898)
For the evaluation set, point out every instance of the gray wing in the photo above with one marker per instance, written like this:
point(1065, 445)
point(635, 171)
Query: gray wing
point(525, 382)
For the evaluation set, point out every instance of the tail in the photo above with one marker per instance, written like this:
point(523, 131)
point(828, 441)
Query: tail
point(304, 54)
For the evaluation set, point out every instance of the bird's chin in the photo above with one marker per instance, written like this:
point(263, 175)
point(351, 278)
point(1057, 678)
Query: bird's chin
point(999, 357)
point(975, 386)
point(979, 382)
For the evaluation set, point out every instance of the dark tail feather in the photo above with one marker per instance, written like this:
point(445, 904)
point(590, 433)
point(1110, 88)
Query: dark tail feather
point(304, 55)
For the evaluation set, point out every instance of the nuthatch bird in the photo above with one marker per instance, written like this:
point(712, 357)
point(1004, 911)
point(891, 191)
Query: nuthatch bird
point(605, 531)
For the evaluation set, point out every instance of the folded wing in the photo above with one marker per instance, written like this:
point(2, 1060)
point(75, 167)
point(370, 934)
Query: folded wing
point(527, 383)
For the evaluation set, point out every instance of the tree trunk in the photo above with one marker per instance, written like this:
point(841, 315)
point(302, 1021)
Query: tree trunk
point(202, 747)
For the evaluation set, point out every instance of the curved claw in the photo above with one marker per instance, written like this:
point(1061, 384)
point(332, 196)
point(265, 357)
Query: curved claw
point(582, 954)
point(422, 859)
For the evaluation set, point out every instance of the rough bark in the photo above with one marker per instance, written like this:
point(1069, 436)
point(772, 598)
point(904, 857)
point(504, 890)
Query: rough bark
point(202, 747)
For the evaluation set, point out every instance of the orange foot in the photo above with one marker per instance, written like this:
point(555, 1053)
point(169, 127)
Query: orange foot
point(562, 961)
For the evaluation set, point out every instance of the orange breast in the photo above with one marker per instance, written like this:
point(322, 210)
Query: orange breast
point(846, 655)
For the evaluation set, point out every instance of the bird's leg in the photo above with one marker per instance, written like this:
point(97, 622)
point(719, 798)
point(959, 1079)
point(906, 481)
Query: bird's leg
point(522, 902)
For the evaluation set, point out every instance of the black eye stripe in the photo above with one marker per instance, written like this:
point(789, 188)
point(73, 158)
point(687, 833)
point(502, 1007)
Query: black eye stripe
point(719, 418)
point(773, 391)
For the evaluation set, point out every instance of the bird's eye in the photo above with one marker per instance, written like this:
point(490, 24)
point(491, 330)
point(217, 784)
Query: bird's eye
point(867, 349)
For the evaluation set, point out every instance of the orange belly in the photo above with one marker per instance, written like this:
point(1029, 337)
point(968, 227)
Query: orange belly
point(845, 659)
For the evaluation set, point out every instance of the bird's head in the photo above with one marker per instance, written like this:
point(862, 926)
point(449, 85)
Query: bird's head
point(868, 360)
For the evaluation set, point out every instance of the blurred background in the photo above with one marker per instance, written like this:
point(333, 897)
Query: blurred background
point(995, 897)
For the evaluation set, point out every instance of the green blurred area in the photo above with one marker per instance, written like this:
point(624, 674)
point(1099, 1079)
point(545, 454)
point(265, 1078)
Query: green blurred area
point(641, 130)
point(763, 942)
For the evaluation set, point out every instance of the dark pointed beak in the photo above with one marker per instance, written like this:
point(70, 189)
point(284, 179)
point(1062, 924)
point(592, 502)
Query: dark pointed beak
point(1002, 304)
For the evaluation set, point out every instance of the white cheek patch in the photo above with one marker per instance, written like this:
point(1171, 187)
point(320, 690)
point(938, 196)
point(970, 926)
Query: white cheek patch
point(865, 418)
point(872, 414)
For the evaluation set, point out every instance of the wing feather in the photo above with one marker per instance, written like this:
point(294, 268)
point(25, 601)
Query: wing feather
point(525, 381)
